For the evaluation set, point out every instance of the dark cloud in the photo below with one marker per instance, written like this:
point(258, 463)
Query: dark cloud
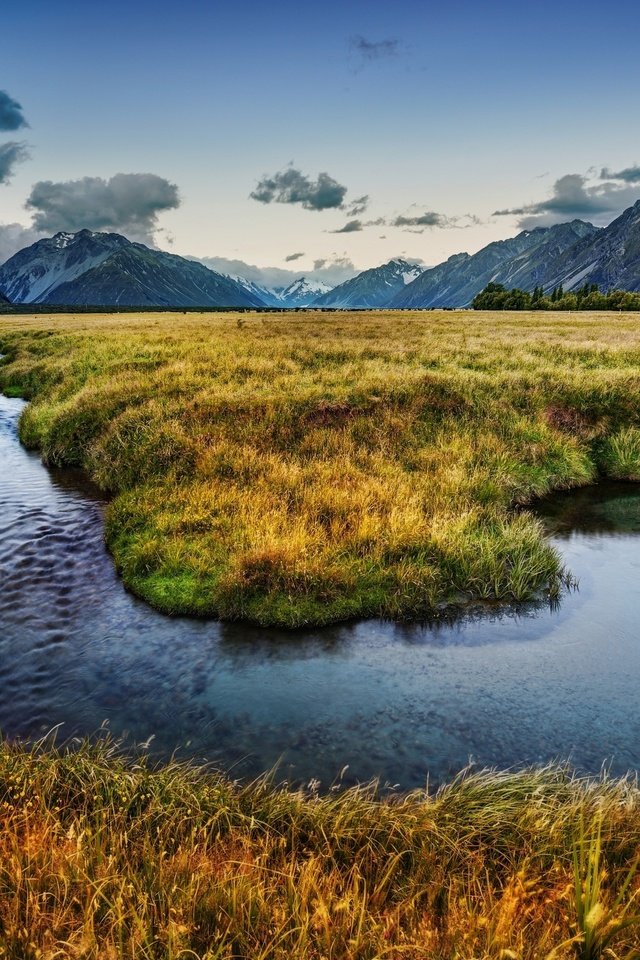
point(629, 175)
point(428, 219)
point(351, 226)
point(293, 256)
point(370, 50)
point(293, 186)
point(358, 206)
point(11, 154)
point(413, 223)
point(128, 203)
point(15, 237)
point(572, 198)
point(11, 115)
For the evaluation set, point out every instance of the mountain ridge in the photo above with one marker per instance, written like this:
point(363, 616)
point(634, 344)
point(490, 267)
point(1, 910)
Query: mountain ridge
point(518, 261)
point(371, 288)
point(104, 269)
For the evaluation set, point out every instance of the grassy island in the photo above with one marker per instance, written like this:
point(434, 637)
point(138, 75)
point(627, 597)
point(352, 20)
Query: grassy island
point(103, 858)
point(308, 468)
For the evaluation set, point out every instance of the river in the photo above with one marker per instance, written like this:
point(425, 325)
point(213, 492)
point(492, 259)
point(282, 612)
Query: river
point(400, 702)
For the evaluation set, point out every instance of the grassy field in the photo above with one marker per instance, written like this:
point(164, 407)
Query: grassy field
point(105, 859)
point(308, 468)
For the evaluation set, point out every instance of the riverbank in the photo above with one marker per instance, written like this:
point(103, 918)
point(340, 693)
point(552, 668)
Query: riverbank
point(311, 469)
point(101, 856)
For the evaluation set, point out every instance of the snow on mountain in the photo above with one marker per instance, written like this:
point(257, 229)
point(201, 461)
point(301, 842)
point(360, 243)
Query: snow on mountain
point(302, 292)
point(410, 272)
point(268, 297)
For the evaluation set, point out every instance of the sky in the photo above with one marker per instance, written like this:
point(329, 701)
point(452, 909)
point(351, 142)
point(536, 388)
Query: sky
point(282, 139)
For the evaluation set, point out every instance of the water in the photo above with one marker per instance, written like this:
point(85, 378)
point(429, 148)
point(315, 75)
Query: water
point(389, 700)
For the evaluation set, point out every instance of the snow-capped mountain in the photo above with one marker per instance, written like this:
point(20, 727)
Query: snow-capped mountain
point(301, 292)
point(371, 288)
point(106, 269)
point(32, 274)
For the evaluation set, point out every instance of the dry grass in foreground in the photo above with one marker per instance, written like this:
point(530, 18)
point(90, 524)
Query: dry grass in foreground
point(104, 858)
point(311, 468)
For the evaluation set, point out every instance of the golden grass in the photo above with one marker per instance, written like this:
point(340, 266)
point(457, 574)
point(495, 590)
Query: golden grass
point(101, 857)
point(307, 468)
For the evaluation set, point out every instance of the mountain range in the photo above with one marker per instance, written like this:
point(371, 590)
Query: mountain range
point(106, 269)
point(299, 293)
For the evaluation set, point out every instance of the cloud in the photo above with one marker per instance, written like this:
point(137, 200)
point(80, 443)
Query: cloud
point(292, 186)
point(11, 115)
point(11, 154)
point(15, 237)
point(413, 223)
point(371, 50)
point(128, 203)
point(335, 271)
point(573, 197)
point(428, 219)
point(293, 256)
point(351, 226)
point(358, 206)
point(331, 271)
point(629, 175)
point(415, 261)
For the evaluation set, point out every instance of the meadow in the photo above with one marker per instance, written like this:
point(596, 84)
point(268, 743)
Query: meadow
point(304, 469)
point(307, 468)
point(104, 858)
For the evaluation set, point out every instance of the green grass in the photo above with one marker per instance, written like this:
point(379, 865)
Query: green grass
point(308, 469)
point(103, 857)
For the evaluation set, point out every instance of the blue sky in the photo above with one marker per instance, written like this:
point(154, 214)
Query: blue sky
point(440, 115)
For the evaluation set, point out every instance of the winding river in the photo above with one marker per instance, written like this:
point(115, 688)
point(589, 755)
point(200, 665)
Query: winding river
point(385, 700)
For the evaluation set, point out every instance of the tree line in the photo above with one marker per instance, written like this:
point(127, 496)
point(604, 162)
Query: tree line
point(495, 296)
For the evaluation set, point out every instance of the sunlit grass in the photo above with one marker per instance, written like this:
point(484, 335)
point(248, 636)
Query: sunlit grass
point(311, 468)
point(101, 857)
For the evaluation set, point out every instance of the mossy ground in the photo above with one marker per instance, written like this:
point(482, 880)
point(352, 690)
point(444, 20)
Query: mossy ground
point(311, 468)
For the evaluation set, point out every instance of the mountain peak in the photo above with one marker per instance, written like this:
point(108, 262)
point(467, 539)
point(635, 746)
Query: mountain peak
point(104, 269)
point(371, 288)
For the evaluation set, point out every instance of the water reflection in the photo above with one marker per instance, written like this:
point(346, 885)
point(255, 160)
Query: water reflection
point(502, 686)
